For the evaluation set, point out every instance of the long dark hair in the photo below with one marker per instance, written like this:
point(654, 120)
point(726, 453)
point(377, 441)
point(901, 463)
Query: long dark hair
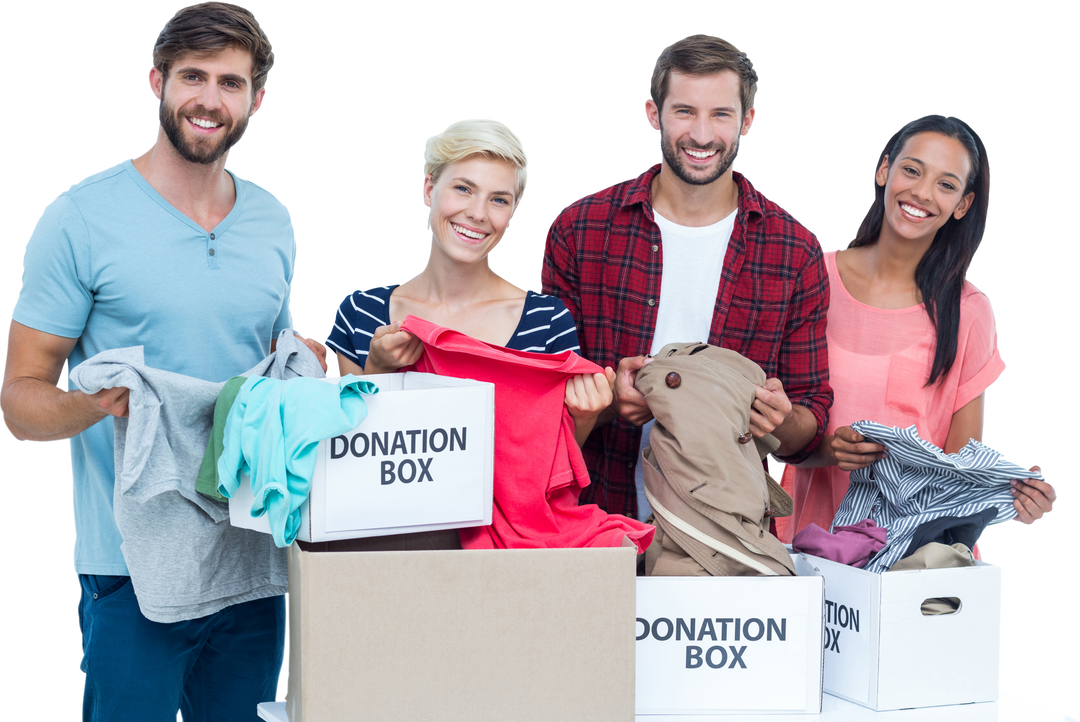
point(940, 274)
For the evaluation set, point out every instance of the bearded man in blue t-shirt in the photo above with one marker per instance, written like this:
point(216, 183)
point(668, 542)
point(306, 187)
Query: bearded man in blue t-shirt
point(172, 252)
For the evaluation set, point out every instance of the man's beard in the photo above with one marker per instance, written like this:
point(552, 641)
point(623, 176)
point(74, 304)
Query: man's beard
point(198, 150)
point(674, 158)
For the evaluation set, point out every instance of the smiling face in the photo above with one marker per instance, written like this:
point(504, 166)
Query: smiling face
point(924, 185)
point(471, 204)
point(206, 102)
point(700, 125)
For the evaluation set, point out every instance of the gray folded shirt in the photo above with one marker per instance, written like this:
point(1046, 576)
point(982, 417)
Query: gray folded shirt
point(186, 561)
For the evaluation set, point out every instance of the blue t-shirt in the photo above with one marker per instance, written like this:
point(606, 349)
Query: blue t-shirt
point(113, 264)
point(546, 325)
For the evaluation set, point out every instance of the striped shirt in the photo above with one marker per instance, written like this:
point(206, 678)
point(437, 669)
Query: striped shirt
point(918, 482)
point(545, 325)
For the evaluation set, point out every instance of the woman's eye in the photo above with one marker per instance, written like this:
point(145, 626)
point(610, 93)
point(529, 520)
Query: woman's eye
point(463, 189)
point(502, 201)
point(948, 186)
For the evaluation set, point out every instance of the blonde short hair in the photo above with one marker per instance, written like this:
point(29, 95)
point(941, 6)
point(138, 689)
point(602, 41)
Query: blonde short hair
point(468, 138)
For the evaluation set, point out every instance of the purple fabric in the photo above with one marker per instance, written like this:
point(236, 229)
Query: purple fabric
point(852, 545)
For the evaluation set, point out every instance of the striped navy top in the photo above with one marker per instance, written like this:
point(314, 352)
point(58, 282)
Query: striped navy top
point(546, 326)
point(918, 482)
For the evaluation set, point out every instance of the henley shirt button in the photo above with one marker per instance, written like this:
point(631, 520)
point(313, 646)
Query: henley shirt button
point(746, 438)
point(212, 236)
point(673, 380)
point(655, 248)
point(211, 251)
point(95, 595)
point(630, 464)
point(651, 302)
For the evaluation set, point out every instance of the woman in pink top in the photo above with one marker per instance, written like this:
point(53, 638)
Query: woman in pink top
point(910, 340)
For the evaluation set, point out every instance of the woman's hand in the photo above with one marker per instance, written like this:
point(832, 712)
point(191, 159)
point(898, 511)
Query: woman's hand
point(1033, 498)
point(392, 349)
point(587, 395)
point(851, 450)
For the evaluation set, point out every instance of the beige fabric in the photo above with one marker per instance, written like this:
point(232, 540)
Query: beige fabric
point(936, 556)
point(721, 552)
point(697, 469)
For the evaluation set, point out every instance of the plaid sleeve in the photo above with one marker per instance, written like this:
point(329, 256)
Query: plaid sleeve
point(803, 362)
point(560, 273)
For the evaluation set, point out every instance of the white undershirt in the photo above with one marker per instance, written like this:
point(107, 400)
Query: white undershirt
point(693, 261)
point(689, 282)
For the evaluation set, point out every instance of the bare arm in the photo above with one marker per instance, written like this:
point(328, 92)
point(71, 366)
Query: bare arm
point(966, 424)
point(34, 408)
point(1034, 498)
point(346, 366)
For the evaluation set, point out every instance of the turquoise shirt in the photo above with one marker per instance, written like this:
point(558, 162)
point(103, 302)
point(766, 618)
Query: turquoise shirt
point(113, 264)
point(272, 433)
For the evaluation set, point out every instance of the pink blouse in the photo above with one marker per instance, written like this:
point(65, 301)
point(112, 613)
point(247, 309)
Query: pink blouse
point(879, 361)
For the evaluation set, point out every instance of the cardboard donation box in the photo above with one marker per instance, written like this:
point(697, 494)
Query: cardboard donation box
point(470, 635)
point(421, 460)
point(729, 644)
point(882, 652)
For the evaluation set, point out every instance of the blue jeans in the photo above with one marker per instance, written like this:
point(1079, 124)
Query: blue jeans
point(217, 667)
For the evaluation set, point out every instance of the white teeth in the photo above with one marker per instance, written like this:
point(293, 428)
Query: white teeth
point(914, 211)
point(204, 123)
point(701, 154)
point(475, 235)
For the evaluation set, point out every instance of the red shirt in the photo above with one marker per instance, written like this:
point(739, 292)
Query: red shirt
point(604, 258)
point(539, 470)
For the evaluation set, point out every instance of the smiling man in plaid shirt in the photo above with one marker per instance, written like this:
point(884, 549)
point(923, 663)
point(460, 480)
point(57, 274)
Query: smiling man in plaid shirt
point(690, 251)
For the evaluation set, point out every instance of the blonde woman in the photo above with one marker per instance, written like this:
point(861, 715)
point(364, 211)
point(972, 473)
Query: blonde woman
point(474, 177)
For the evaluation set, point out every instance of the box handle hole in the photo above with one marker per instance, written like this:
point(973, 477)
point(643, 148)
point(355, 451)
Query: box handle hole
point(937, 606)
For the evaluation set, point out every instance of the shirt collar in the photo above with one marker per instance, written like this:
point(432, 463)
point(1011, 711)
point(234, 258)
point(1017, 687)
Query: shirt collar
point(640, 191)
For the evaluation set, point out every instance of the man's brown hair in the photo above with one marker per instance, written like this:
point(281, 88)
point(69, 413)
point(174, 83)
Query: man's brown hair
point(704, 54)
point(208, 27)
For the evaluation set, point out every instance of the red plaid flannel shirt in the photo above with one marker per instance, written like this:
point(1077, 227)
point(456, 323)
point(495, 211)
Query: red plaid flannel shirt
point(604, 258)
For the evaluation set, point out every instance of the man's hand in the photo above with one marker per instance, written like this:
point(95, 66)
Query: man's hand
point(316, 348)
point(770, 409)
point(392, 349)
point(850, 449)
point(113, 402)
point(629, 401)
point(773, 413)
